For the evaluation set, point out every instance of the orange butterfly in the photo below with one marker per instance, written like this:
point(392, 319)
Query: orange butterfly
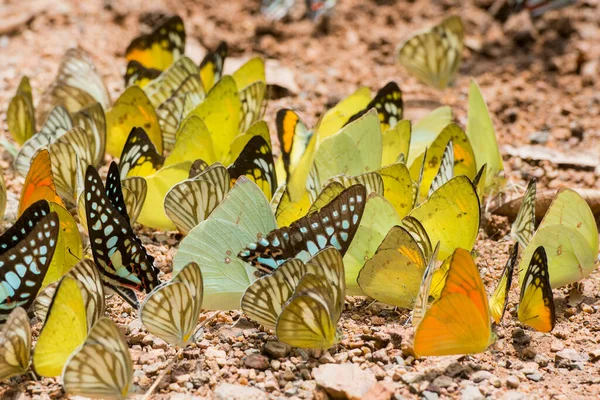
point(39, 183)
point(459, 321)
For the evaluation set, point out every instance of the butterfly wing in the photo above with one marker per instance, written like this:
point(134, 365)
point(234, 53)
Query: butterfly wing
point(256, 162)
point(459, 321)
point(446, 171)
point(389, 105)
point(116, 249)
point(139, 156)
point(102, 366)
point(39, 183)
point(434, 55)
point(20, 115)
point(499, 298)
point(160, 48)
point(536, 306)
point(15, 345)
point(524, 225)
point(333, 225)
point(211, 67)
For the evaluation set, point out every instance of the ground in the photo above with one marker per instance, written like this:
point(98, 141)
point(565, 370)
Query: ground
point(541, 80)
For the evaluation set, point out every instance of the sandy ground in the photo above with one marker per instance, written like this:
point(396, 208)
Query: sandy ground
point(541, 80)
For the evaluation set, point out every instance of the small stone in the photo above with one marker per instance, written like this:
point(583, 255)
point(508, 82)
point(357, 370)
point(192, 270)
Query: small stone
point(443, 382)
point(344, 380)
point(556, 346)
point(517, 332)
point(381, 356)
point(472, 393)
point(512, 395)
point(529, 353)
point(341, 358)
point(213, 352)
point(569, 358)
point(540, 137)
point(271, 384)
point(512, 382)
point(326, 359)
point(380, 391)
point(288, 375)
point(495, 381)
point(275, 365)
point(427, 395)
point(586, 308)
point(256, 361)
point(542, 360)
point(412, 377)
point(595, 355)
point(481, 376)
point(227, 391)
point(277, 349)
point(534, 377)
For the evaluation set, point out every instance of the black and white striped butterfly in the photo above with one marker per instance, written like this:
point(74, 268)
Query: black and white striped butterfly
point(119, 254)
point(26, 250)
point(333, 225)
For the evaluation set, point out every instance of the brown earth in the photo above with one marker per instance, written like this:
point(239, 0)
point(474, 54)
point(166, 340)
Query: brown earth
point(540, 79)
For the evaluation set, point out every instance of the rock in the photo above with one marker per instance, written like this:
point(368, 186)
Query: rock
point(570, 358)
point(277, 349)
point(472, 393)
point(326, 359)
point(427, 395)
point(594, 355)
point(529, 353)
point(380, 391)
point(381, 355)
point(541, 360)
point(344, 380)
point(227, 391)
point(512, 382)
point(213, 352)
point(256, 361)
point(540, 137)
point(534, 377)
point(512, 395)
point(412, 377)
point(556, 346)
point(520, 28)
point(495, 381)
point(443, 381)
point(480, 376)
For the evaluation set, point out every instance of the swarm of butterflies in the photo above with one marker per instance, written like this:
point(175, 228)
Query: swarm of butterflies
point(364, 203)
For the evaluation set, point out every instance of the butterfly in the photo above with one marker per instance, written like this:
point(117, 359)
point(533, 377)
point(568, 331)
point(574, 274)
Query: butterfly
point(15, 345)
point(457, 198)
point(77, 85)
point(159, 49)
point(499, 298)
point(120, 255)
point(26, 251)
point(137, 74)
point(179, 79)
point(523, 227)
point(422, 300)
point(333, 225)
point(132, 109)
point(317, 8)
point(102, 366)
point(256, 162)
point(77, 304)
point(536, 305)
point(139, 156)
point(310, 316)
point(538, 7)
point(446, 171)
point(3, 195)
point(39, 183)
point(434, 54)
point(191, 201)
point(393, 275)
point(276, 9)
point(211, 67)
point(172, 309)
point(458, 322)
point(569, 234)
point(252, 89)
point(480, 131)
point(293, 140)
point(20, 115)
point(388, 103)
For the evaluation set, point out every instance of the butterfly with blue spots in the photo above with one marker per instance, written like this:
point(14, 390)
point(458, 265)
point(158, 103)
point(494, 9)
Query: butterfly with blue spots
point(333, 225)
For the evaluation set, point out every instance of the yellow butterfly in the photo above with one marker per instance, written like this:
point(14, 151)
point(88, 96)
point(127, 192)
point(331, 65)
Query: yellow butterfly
point(293, 140)
point(422, 300)
point(252, 89)
point(159, 49)
point(569, 234)
point(102, 366)
point(393, 275)
point(20, 115)
point(459, 321)
point(39, 183)
point(389, 105)
point(77, 304)
point(132, 109)
point(211, 67)
point(172, 309)
point(499, 298)
point(15, 345)
point(434, 54)
point(536, 306)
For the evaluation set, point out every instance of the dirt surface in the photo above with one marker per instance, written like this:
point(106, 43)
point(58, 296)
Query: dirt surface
point(541, 80)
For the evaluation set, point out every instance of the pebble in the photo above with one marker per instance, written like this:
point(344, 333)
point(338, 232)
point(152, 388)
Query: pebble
point(481, 376)
point(427, 395)
point(534, 377)
point(472, 393)
point(227, 391)
point(256, 361)
point(344, 380)
point(529, 353)
point(512, 382)
point(595, 355)
point(542, 360)
point(277, 349)
point(556, 346)
point(443, 382)
point(275, 365)
point(412, 377)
